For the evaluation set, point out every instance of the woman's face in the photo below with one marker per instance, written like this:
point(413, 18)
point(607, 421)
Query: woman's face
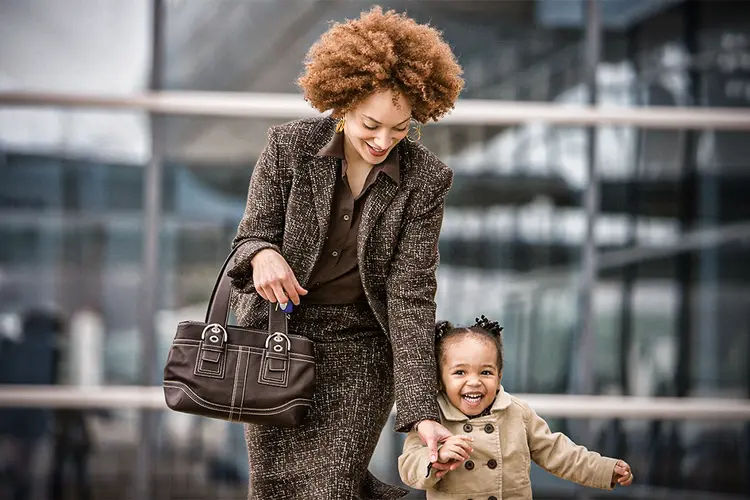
point(373, 128)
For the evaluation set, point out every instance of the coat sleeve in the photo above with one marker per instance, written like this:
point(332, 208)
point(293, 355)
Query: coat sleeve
point(262, 225)
point(413, 464)
point(411, 286)
point(556, 453)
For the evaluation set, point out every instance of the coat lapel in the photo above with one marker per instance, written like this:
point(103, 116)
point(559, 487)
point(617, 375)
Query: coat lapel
point(323, 180)
point(380, 196)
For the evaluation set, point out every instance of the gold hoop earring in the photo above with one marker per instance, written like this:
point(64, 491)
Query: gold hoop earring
point(340, 126)
point(418, 129)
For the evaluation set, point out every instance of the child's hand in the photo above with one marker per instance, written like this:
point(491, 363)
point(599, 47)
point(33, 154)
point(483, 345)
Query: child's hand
point(455, 448)
point(622, 475)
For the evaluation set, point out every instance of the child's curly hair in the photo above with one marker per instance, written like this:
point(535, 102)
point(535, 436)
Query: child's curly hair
point(446, 332)
point(381, 51)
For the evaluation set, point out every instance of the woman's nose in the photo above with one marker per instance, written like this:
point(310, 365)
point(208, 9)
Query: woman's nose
point(383, 140)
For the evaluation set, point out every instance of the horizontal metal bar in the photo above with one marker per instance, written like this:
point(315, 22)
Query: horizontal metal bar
point(549, 405)
point(691, 241)
point(467, 112)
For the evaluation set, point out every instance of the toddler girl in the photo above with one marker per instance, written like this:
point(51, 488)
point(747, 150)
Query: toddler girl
point(495, 435)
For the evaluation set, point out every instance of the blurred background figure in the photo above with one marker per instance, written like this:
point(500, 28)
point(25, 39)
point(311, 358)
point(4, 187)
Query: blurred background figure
point(29, 359)
point(614, 252)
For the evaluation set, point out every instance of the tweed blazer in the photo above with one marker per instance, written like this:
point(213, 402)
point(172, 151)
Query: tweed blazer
point(289, 208)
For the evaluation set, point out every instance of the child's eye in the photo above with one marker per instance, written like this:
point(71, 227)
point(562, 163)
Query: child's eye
point(487, 372)
point(458, 372)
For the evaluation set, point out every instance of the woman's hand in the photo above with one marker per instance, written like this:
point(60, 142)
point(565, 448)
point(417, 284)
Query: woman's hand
point(432, 433)
point(273, 278)
point(622, 475)
point(456, 448)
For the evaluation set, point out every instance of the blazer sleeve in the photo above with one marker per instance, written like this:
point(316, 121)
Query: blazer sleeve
point(262, 224)
point(556, 453)
point(411, 286)
point(413, 464)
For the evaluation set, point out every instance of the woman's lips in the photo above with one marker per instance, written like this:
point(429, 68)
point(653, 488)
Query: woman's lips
point(376, 152)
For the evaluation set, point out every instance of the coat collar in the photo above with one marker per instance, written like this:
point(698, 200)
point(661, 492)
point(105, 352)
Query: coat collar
point(335, 148)
point(450, 412)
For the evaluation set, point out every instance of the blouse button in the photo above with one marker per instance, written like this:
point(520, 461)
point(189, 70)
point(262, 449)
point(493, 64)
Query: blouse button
point(469, 465)
point(468, 428)
point(335, 253)
point(489, 428)
point(346, 217)
point(492, 463)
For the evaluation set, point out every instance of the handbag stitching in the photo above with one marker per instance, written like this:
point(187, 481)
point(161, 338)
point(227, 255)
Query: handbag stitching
point(234, 385)
point(250, 412)
point(302, 358)
point(219, 407)
point(244, 385)
point(197, 371)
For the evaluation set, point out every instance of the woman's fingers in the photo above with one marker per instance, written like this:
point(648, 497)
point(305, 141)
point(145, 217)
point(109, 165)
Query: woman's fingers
point(290, 287)
point(261, 291)
point(298, 287)
point(278, 292)
point(274, 279)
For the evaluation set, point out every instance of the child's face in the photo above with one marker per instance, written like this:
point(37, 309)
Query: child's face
point(469, 373)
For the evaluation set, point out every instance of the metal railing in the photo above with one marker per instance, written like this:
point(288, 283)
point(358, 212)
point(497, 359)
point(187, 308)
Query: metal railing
point(564, 406)
point(467, 112)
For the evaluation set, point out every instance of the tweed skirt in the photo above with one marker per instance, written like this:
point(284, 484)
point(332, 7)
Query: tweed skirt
point(326, 458)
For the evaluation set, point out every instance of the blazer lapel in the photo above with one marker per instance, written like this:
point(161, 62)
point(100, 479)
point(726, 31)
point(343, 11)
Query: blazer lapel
point(323, 180)
point(380, 196)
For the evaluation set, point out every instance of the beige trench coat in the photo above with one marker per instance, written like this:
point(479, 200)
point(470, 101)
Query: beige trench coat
point(504, 444)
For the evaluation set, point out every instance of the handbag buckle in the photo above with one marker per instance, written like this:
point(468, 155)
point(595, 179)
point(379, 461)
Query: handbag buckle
point(212, 354)
point(215, 330)
point(274, 366)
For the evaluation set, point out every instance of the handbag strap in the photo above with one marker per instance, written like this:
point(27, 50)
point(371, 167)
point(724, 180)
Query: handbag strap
point(218, 304)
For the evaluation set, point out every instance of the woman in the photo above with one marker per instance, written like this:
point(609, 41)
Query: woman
point(343, 217)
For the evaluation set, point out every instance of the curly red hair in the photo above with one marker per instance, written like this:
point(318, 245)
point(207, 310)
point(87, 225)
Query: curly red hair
point(381, 51)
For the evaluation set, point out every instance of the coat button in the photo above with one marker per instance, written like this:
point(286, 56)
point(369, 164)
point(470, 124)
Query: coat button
point(492, 463)
point(469, 465)
point(489, 428)
point(468, 428)
point(492, 498)
point(346, 217)
point(335, 253)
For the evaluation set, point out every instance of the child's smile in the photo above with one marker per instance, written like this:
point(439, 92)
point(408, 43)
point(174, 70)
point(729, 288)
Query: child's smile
point(469, 373)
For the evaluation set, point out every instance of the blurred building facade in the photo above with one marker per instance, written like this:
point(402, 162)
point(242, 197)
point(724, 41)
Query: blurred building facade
point(672, 298)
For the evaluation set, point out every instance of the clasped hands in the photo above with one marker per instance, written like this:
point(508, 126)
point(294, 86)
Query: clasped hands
point(447, 452)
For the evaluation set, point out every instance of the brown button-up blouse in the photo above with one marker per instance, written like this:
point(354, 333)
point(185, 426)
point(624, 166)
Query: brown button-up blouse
point(335, 277)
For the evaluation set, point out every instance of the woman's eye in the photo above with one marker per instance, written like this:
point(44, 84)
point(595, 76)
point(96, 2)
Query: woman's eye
point(401, 129)
point(368, 127)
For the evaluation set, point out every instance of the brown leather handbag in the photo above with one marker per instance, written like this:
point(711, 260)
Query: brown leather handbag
point(239, 374)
